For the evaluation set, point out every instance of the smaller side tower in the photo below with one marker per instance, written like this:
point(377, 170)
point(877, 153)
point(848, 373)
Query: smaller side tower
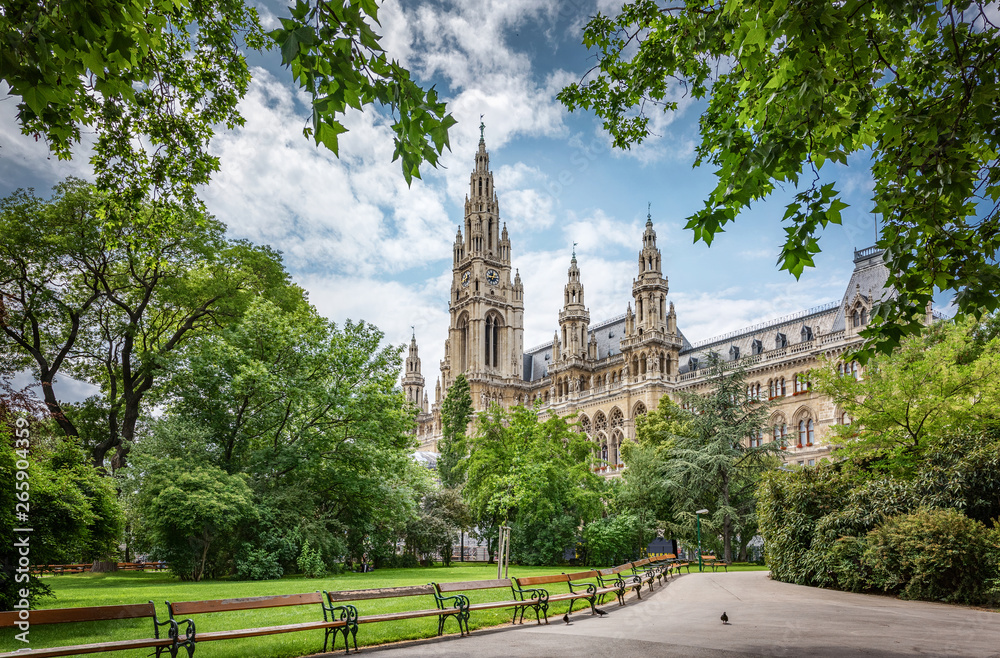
point(574, 318)
point(413, 381)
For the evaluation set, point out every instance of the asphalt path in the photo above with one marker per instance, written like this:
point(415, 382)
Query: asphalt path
point(766, 618)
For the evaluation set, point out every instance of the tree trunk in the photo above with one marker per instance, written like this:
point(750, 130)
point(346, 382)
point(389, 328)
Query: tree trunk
point(103, 566)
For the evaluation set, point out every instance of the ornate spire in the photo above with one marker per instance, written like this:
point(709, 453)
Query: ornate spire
point(482, 129)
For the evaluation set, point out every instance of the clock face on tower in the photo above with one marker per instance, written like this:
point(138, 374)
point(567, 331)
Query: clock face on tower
point(466, 276)
point(492, 277)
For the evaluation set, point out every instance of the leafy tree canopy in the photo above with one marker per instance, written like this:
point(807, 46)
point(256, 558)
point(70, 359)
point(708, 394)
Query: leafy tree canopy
point(794, 84)
point(112, 303)
point(154, 79)
point(534, 475)
point(712, 464)
point(456, 412)
point(933, 386)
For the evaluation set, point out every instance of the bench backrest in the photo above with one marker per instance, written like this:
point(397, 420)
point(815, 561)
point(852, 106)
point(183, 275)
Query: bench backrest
point(541, 580)
point(581, 575)
point(641, 563)
point(250, 603)
point(380, 593)
point(621, 568)
point(472, 585)
point(94, 613)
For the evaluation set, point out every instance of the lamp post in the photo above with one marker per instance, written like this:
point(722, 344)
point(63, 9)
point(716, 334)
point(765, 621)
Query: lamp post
point(698, 516)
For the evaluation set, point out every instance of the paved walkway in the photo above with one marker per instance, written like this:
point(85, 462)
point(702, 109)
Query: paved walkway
point(767, 618)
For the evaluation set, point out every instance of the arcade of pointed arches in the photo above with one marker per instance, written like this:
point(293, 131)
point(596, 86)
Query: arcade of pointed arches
point(607, 432)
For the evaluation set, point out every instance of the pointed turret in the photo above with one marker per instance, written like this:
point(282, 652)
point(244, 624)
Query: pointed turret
point(574, 319)
point(413, 381)
point(650, 288)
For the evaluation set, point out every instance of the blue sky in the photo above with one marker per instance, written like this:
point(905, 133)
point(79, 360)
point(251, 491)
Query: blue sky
point(366, 246)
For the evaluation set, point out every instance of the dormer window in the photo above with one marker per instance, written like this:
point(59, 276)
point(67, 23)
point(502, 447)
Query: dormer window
point(693, 363)
point(807, 334)
point(856, 319)
point(780, 340)
point(756, 347)
point(734, 353)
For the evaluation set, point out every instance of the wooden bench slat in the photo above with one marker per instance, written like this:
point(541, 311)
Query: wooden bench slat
point(582, 575)
point(473, 585)
point(91, 648)
point(249, 603)
point(381, 593)
point(94, 613)
point(408, 614)
point(541, 580)
point(501, 604)
point(266, 630)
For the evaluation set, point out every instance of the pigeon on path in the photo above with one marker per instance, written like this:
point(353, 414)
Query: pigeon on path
point(566, 617)
point(725, 618)
point(600, 612)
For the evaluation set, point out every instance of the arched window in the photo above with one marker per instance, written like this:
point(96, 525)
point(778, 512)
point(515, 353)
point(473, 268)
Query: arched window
point(604, 452)
point(463, 343)
point(864, 317)
point(856, 319)
point(854, 369)
point(770, 389)
point(795, 383)
point(617, 420)
point(810, 433)
point(782, 387)
point(840, 369)
point(802, 433)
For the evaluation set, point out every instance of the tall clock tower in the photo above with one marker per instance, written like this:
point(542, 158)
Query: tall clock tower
point(486, 336)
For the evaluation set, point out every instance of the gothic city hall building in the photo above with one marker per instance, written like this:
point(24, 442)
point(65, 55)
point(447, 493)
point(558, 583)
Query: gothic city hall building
point(607, 373)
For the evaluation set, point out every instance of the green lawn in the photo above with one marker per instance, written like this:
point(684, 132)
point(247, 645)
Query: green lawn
point(82, 590)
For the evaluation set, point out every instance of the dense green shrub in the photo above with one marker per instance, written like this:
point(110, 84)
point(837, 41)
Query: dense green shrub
point(931, 554)
point(400, 561)
point(614, 539)
point(789, 507)
point(310, 562)
point(258, 564)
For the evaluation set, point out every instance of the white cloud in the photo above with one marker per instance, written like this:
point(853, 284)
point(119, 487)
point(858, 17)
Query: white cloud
point(350, 215)
point(24, 158)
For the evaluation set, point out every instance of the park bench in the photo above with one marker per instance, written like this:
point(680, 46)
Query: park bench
point(330, 624)
point(353, 618)
point(60, 569)
point(170, 643)
point(519, 600)
point(577, 590)
point(662, 567)
point(714, 562)
point(642, 570)
point(608, 579)
point(678, 564)
point(629, 579)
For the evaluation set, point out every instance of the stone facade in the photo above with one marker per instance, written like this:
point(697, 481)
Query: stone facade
point(608, 373)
